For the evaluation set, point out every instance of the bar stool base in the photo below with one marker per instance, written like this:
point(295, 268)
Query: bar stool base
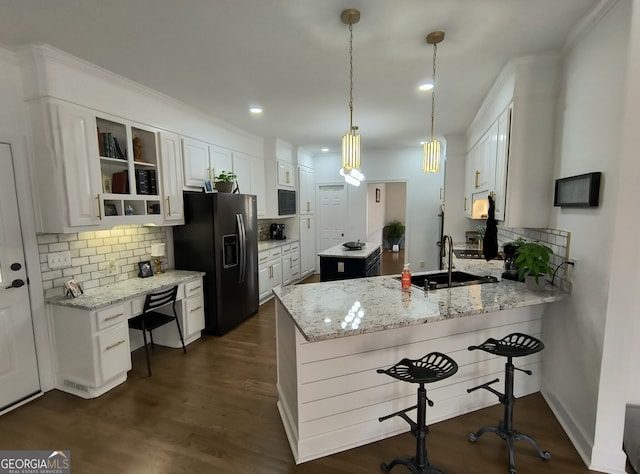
point(510, 437)
point(412, 465)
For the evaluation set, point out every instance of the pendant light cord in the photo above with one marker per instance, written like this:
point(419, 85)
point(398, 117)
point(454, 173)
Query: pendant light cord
point(433, 91)
point(350, 77)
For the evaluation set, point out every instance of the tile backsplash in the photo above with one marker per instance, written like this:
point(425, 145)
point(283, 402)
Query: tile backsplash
point(97, 257)
point(557, 240)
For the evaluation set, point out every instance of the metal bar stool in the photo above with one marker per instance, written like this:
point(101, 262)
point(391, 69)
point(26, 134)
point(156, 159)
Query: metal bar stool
point(513, 345)
point(430, 368)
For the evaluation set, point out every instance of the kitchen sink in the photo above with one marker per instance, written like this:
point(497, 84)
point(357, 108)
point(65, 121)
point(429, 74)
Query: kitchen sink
point(435, 281)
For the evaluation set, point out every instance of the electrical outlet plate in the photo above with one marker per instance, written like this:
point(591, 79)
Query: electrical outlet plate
point(59, 260)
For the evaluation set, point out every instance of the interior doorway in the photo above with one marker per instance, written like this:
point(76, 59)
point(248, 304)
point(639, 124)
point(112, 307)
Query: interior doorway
point(386, 202)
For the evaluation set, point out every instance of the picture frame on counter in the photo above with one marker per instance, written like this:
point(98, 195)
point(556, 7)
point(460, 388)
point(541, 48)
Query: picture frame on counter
point(73, 289)
point(208, 186)
point(145, 269)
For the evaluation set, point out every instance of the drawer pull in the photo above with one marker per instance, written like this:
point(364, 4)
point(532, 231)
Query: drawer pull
point(115, 316)
point(112, 346)
point(196, 309)
point(194, 289)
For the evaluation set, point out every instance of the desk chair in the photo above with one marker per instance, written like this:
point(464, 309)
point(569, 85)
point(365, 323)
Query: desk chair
point(150, 319)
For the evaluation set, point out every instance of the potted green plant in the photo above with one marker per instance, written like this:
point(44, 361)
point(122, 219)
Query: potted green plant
point(224, 181)
point(394, 232)
point(532, 262)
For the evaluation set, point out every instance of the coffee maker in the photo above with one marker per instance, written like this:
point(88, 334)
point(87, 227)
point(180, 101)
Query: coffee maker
point(510, 269)
point(277, 232)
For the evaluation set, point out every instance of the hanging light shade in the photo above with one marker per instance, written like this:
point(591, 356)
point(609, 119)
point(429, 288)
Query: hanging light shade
point(431, 152)
point(351, 140)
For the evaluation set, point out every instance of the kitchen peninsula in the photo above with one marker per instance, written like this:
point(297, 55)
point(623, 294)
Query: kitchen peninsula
point(332, 336)
point(340, 262)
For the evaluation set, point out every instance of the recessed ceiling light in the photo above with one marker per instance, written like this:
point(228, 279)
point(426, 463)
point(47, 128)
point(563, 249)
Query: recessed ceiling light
point(255, 109)
point(427, 86)
point(324, 150)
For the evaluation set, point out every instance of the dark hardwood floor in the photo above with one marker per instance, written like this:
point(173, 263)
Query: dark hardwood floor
point(214, 410)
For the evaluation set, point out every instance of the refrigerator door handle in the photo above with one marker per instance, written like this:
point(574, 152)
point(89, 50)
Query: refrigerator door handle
point(243, 248)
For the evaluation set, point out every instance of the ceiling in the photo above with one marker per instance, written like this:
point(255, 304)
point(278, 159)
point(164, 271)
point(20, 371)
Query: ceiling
point(291, 57)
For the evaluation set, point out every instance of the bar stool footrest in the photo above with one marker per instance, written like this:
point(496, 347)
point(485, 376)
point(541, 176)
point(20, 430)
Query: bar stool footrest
point(402, 414)
point(411, 464)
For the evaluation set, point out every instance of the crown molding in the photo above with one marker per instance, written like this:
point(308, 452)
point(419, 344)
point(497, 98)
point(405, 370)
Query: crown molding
point(587, 23)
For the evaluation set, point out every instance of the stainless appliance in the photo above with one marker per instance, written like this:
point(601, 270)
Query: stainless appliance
point(286, 202)
point(220, 237)
point(277, 232)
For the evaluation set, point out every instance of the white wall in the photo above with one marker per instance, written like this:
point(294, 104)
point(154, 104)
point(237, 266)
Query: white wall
point(375, 212)
point(455, 223)
point(396, 203)
point(589, 124)
point(423, 197)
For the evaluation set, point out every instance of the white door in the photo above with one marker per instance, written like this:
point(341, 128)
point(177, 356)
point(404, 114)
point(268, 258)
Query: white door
point(18, 364)
point(333, 215)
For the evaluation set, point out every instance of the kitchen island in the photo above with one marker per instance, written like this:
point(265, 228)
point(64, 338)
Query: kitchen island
point(331, 338)
point(342, 263)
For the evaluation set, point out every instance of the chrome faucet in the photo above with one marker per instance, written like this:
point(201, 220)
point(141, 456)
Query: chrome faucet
point(447, 240)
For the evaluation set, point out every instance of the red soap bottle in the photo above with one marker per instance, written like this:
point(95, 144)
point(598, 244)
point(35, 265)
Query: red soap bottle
point(406, 278)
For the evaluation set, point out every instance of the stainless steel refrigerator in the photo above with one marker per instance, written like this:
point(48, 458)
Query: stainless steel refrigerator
point(220, 237)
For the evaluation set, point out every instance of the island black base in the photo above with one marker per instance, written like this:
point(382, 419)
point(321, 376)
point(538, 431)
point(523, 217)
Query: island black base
point(344, 268)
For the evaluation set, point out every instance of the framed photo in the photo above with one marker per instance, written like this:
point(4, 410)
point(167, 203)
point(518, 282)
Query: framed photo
point(73, 288)
point(145, 269)
point(377, 194)
point(208, 187)
point(110, 210)
point(106, 185)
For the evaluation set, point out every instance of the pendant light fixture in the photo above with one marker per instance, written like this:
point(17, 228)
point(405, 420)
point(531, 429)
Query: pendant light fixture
point(351, 141)
point(431, 153)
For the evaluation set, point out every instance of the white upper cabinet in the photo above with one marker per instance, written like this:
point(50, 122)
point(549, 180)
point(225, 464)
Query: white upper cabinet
point(195, 158)
point(279, 172)
point(92, 170)
point(250, 177)
point(307, 190)
point(203, 161)
point(221, 159)
point(511, 144)
point(76, 145)
point(171, 178)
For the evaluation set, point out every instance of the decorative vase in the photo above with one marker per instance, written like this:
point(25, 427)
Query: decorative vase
point(530, 282)
point(224, 186)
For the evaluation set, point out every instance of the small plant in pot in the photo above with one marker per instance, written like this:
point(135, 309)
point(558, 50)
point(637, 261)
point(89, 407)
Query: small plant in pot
point(224, 181)
point(394, 231)
point(532, 262)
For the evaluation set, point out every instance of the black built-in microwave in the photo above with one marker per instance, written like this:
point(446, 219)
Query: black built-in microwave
point(286, 202)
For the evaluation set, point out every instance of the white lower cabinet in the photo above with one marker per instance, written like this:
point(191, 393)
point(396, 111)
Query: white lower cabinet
point(269, 272)
point(286, 265)
point(93, 347)
point(308, 254)
point(295, 262)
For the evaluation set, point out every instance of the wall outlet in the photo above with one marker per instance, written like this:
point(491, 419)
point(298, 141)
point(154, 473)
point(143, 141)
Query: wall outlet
point(421, 263)
point(59, 260)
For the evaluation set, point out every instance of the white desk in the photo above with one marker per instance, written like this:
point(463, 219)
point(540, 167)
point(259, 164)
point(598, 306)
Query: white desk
point(92, 341)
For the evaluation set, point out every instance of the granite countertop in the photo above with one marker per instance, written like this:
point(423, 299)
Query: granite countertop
point(320, 310)
point(106, 295)
point(340, 251)
point(271, 244)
